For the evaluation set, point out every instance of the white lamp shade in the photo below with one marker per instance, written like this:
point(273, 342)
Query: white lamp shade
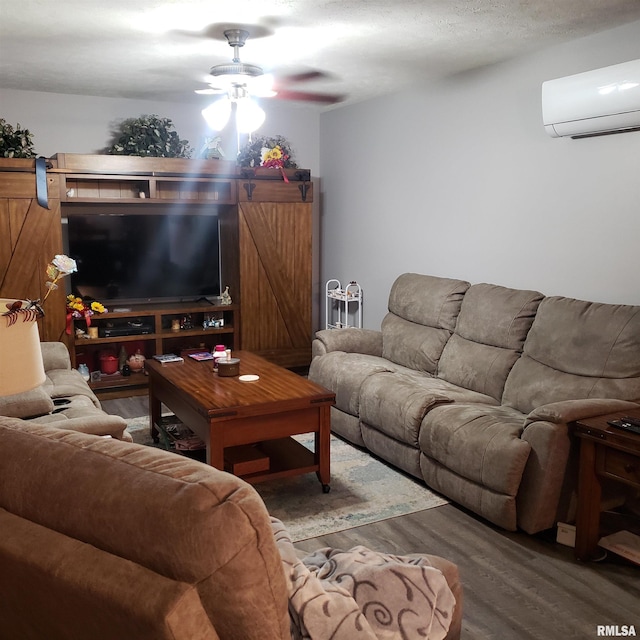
point(217, 114)
point(249, 116)
point(21, 366)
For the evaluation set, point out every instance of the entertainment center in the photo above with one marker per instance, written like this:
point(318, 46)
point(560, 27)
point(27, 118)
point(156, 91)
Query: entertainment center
point(186, 228)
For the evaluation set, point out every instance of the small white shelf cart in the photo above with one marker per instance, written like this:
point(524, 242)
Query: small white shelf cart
point(338, 300)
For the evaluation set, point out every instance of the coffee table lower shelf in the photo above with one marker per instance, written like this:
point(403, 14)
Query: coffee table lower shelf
point(287, 457)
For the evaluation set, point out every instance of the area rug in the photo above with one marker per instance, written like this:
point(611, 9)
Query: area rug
point(363, 490)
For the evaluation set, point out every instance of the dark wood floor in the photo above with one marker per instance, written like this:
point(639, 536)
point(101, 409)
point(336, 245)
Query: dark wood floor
point(516, 586)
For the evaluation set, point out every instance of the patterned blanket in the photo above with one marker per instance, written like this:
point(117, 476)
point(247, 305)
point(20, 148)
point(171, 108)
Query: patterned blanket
point(360, 594)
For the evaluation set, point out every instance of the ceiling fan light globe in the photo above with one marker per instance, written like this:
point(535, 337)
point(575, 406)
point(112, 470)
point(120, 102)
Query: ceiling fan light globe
point(249, 116)
point(262, 87)
point(217, 114)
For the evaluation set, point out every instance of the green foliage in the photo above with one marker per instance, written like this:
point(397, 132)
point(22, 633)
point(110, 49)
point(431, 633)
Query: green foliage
point(15, 143)
point(150, 135)
point(251, 154)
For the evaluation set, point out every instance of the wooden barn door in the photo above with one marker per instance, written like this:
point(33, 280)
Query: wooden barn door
point(275, 280)
point(30, 236)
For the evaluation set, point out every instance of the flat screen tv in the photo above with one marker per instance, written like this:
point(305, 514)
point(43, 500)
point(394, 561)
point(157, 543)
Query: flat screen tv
point(144, 257)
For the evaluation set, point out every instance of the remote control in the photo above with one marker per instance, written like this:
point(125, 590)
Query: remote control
point(628, 424)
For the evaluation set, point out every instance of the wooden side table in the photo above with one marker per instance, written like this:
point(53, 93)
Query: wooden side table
point(605, 452)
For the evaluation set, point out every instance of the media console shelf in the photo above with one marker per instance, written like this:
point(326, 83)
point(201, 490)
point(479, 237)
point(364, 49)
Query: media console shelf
point(151, 329)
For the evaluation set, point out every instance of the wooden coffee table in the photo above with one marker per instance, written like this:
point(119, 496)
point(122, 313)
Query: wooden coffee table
point(227, 412)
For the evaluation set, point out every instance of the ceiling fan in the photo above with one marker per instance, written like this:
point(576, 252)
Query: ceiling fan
point(239, 80)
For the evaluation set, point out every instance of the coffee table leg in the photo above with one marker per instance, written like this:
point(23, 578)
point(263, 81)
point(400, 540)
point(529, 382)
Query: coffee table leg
point(215, 451)
point(323, 448)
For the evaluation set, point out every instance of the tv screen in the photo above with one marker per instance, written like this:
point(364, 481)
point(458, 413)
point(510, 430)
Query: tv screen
point(146, 257)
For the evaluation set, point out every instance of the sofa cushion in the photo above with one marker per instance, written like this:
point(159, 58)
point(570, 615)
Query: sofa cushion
point(491, 328)
point(396, 403)
point(177, 517)
point(478, 442)
point(343, 373)
point(575, 350)
point(422, 315)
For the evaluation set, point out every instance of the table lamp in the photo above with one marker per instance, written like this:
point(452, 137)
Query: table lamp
point(21, 365)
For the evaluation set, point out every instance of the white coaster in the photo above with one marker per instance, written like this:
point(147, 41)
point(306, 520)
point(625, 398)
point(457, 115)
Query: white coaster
point(249, 378)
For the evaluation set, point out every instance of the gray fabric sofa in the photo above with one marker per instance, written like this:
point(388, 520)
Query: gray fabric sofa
point(472, 389)
point(81, 410)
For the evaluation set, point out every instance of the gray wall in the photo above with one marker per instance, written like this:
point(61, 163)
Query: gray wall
point(85, 124)
point(458, 178)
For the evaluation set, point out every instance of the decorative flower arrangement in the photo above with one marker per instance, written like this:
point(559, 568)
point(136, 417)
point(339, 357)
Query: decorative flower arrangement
point(59, 267)
point(267, 152)
point(273, 158)
point(79, 308)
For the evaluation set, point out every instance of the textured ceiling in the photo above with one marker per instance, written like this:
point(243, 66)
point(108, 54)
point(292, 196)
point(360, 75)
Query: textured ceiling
point(148, 49)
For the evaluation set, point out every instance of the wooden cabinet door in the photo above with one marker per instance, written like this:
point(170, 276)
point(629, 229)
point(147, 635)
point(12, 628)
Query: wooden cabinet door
point(30, 236)
point(275, 280)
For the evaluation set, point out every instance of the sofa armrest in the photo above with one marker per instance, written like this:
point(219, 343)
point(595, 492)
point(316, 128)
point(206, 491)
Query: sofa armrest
point(27, 404)
point(572, 410)
point(103, 590)
point(55, 355)
point(548, 480)
point(352, 340)
point(98, 424)
point(544, 475)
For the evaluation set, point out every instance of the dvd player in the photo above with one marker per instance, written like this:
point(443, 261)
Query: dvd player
point(116, 332)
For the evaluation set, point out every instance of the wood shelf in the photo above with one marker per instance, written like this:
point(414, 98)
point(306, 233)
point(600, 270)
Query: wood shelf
point(141, 190)
point(287, 457)
point(160, 339)
point(117, 385)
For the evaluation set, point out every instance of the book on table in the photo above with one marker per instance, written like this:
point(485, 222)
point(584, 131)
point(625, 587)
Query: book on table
point(168, 357)
point(201, 355)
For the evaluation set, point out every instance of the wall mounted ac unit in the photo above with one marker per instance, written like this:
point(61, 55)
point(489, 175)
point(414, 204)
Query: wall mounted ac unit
point(591, 103)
